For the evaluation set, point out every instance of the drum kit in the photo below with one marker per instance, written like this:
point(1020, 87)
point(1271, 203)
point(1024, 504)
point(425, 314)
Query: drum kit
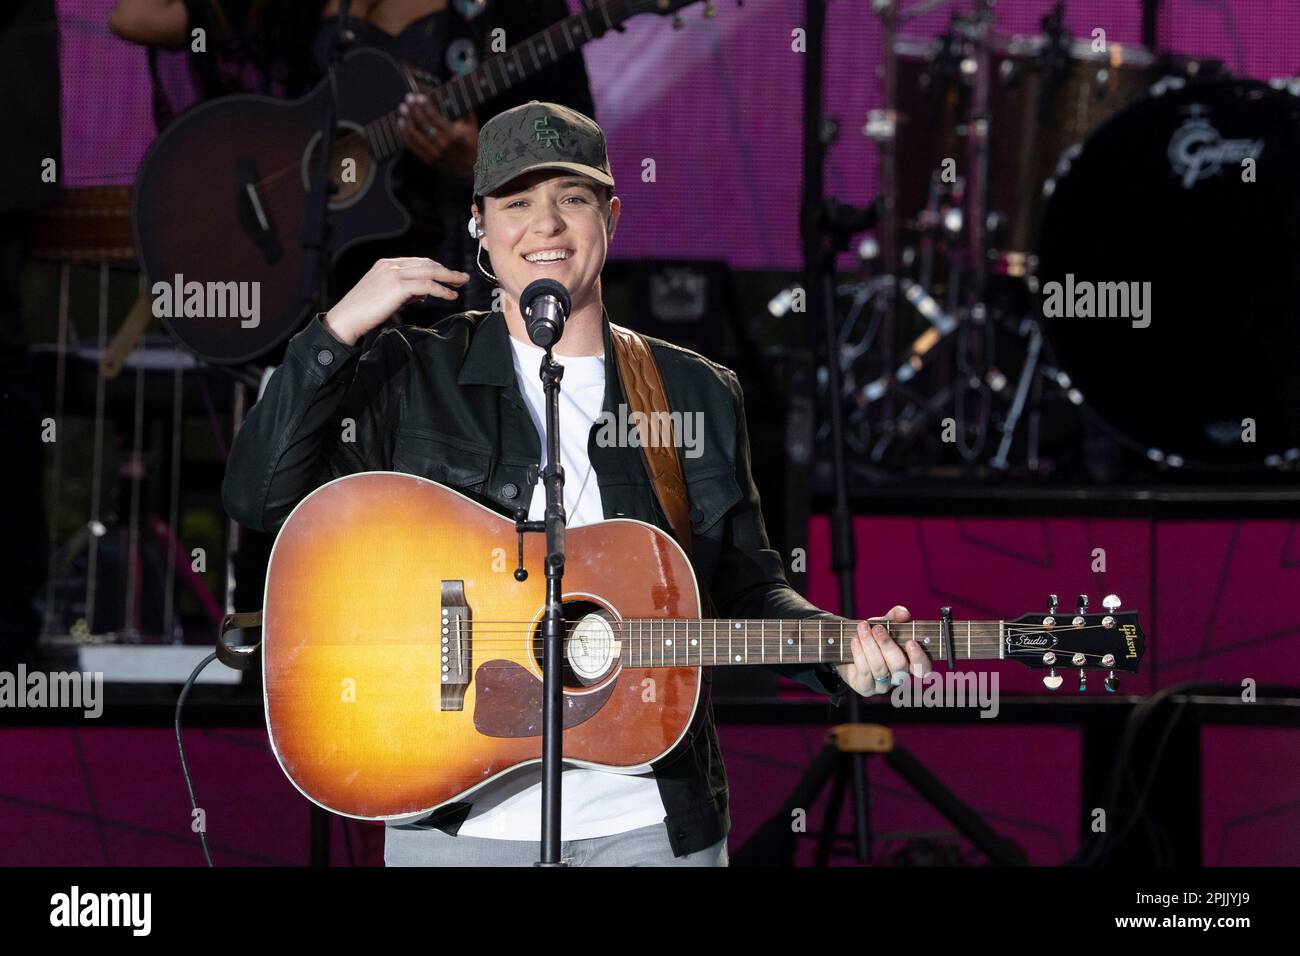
point(1130, 221)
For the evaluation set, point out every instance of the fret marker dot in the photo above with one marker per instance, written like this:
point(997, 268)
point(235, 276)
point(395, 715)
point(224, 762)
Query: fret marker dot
point(693, 642)
point(737, 625)
point(830, 640)
point(669, 641)
point(737, 657)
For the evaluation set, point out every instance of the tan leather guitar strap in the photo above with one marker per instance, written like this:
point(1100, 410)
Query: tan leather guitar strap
point(644, 391)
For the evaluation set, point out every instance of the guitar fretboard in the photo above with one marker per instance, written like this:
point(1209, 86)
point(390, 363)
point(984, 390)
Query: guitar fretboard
point(667, 642)
point(462, 95)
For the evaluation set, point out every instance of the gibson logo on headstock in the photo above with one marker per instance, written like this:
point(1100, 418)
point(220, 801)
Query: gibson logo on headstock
point(1130, 638)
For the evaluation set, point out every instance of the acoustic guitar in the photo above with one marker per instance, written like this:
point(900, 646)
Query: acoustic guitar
point(401, 653)
point(222, 194)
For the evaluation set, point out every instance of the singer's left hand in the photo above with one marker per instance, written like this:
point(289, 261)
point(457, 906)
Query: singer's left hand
point(436, 140)
point(879, 664)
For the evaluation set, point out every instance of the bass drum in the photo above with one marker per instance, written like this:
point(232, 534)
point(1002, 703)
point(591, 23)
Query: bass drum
point(1192, 195)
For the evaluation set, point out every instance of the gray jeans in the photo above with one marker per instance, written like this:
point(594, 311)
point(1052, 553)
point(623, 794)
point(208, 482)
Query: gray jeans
point(646, 846)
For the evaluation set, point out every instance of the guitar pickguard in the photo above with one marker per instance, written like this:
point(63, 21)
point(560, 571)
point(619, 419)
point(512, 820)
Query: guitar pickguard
point(508, 701)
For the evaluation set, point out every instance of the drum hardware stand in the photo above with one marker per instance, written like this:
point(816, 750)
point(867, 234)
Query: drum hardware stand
point(978, 29)
point(1027, 374)
point(881, 129)
point(1053, 60)
point(968, 213)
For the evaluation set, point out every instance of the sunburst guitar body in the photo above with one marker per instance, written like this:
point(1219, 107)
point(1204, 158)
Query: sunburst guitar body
point(402, 651)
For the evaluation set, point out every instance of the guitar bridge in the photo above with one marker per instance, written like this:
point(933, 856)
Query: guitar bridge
point(456, 644)
point(253, 214)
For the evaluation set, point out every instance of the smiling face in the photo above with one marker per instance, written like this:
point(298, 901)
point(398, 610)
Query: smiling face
point(549, 224)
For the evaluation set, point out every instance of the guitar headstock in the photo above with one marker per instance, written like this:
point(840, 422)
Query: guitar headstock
point(1110, 641)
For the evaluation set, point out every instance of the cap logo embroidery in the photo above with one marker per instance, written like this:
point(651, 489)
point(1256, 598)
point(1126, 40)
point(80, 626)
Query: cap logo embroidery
point(543, 133)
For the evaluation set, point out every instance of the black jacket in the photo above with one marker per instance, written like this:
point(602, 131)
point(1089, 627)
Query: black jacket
point(444, 403)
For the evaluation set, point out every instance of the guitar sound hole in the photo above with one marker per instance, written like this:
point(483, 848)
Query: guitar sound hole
point(591, 651)
point(350, 167)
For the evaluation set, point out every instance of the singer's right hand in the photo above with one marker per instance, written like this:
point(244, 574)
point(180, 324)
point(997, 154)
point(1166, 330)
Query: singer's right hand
point(389, 285)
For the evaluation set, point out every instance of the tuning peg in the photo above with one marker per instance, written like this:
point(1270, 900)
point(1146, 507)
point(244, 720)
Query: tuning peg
point(709, 9)
point(1083, 604)
point(1112, 682)
point(1110, 602)
point(1052, 680)
point(1083, 680)
point(1052, 603)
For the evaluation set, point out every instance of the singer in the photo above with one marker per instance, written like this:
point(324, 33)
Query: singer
point(461, 403)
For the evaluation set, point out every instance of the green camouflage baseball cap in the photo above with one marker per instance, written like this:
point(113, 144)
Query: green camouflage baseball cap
point(539, 136)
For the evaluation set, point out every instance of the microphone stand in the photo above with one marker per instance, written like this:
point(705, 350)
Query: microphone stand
point(314, 236)
point(553, 621)
point(545, 304)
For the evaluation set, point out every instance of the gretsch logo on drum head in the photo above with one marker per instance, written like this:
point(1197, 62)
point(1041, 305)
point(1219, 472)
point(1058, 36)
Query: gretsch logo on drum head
point(1197, 151)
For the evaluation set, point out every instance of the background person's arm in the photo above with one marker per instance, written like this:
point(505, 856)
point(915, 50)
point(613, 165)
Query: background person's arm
point(161, 23)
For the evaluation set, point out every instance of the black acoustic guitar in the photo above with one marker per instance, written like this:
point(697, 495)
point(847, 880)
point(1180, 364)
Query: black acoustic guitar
point(221, 197)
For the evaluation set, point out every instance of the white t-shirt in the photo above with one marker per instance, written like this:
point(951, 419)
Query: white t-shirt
point(594, 802)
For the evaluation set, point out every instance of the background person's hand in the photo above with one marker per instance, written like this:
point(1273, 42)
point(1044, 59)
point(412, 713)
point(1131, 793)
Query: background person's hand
point(447, 144)
point(877, 655)
point(389, 285)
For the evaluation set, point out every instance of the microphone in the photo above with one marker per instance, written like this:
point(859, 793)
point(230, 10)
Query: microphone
point(545, 305)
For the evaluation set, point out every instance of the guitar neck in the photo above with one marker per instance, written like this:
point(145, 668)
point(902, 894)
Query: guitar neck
point(462, 95)
point(668, 642)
